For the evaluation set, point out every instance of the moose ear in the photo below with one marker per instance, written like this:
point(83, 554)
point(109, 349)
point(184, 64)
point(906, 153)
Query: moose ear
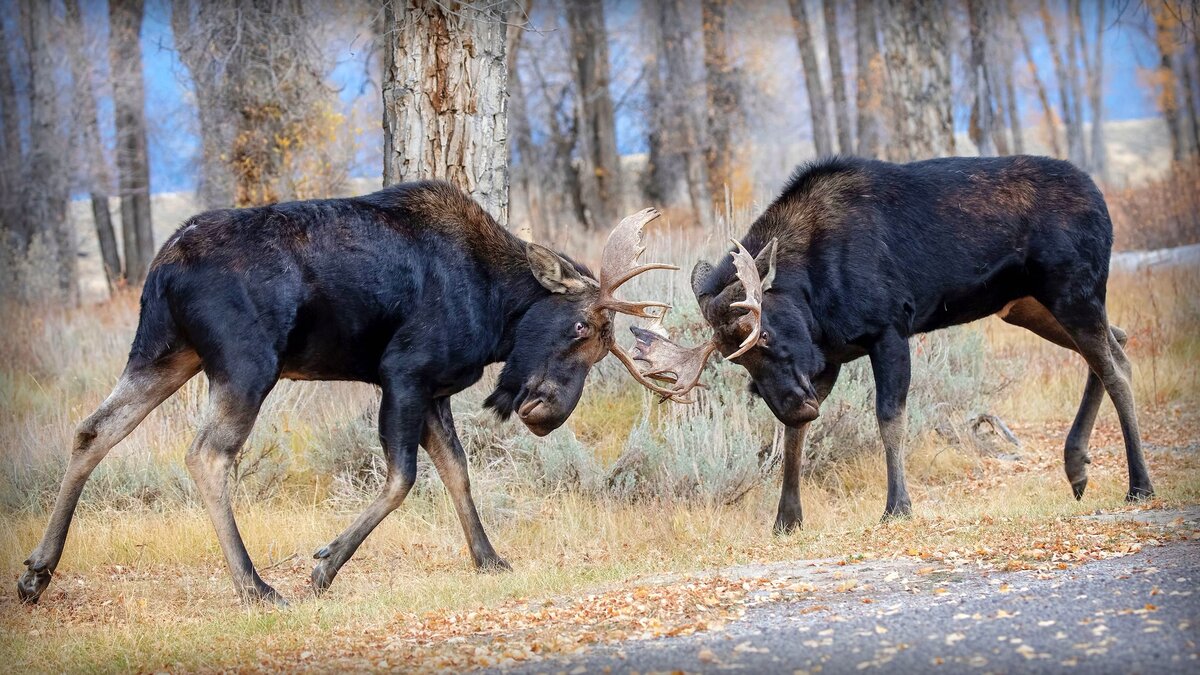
point(765, 262)
point(554, 273)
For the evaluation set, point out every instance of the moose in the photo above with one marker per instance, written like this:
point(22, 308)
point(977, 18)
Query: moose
point(414, 288)
point(857, 256)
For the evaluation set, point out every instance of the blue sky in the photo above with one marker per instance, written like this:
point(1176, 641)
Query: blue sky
point(173, 142)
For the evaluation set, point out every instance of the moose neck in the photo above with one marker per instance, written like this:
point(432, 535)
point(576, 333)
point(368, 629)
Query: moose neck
point(518, 290)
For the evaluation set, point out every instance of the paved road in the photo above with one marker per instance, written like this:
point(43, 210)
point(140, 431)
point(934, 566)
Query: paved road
point(1139, 613)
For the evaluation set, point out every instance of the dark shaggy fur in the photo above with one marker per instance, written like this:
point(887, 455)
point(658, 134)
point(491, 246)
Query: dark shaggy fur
point(871, 253)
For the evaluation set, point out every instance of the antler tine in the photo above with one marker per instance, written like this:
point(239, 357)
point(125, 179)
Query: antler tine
point(670, 362)
point(747, 273)
point(617, 265)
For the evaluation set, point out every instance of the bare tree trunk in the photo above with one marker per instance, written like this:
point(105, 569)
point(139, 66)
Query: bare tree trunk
point(1096, 94)
point(195, 46)
point(812, 78)
point(841, 111)
point(918, 66)
point(47, 194)
point(1074, 38)
point(721, 90)
point(1043, 96)
point(444, 98)
point(869, 97)
point(679, 111)
point(1190, 105)
point(1168, 100)
point(1063, 75)
point(1014, 113)
point(981, 124)
point(89, 132)
point(133, 164)
point(522, 132)
point(14, 236)
point(600, 170)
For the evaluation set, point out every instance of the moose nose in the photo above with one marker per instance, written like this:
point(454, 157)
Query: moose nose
point(528, 407)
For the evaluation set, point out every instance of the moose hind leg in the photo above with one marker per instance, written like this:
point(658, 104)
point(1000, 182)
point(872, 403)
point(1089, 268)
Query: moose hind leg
point(1032, 315)
point(1101, 346)
point(232, 409)
point(442, 444)
point(400, 424)
point(142, 387)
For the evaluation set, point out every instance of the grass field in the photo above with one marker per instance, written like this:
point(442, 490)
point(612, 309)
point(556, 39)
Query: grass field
point(142, 585)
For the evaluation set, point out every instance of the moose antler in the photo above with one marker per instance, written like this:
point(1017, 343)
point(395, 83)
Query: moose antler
point(672, 363)
point(747, 273)
point(618, 264)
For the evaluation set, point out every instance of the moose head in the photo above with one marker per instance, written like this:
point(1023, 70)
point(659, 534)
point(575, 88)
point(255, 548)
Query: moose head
point(767, 334)
point(564, 334)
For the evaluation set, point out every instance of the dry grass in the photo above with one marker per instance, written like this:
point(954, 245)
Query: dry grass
point(142, 585)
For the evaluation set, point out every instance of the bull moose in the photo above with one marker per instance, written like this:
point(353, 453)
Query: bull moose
point(857, 256)
point(414, 288)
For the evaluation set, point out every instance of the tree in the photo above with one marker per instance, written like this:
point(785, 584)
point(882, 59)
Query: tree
point(1064, 67)
point(266, 120)
point(1043, 97)
point(812, 78)
point(444, 98)
point(868, 97)
point(45, 205)
point(600, 165)
point(981, 126)
point(88, 124)
point(518, 118)
point(841, 111)
point(13, 233)
point(1168, 84)
point(918, 69)
point(722, 96)
point(133, 163)
point(1095, 83)
point(676, 151)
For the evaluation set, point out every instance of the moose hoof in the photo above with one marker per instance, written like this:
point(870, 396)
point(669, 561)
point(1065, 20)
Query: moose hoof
point(1138, 494)
point(786, 523)
point(322, 576)
point(493, 565)
point(1077, 487)
point(31, 585)
point(901, 511)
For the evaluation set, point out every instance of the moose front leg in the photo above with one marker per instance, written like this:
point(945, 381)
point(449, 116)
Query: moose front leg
point(401, 420)
point(790, 515)
point(891, 366)
point(442, 444)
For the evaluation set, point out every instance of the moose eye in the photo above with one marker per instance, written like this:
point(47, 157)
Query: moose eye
point(582, 330)
point(764, 339)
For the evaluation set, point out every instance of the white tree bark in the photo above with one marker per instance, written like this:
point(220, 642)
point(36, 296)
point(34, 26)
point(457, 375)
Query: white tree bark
point(444, 97)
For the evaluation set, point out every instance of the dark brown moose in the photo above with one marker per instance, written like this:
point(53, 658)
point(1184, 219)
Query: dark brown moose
point(414, 288)
point(857, 256)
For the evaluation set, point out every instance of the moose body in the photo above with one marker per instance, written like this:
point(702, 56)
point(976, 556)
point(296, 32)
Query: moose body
point(857, 256)
point(414, 288)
